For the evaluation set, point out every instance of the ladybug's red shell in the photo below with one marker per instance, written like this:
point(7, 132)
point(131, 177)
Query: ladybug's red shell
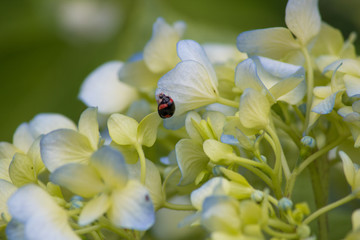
point(166, 107)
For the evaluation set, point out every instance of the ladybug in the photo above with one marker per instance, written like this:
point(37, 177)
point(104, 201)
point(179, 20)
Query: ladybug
point(166, 107)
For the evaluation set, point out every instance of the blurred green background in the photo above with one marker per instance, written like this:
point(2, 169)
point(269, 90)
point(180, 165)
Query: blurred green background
point(48, 47)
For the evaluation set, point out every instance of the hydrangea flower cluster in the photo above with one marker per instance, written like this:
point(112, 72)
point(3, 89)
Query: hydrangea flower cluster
point(237, 128)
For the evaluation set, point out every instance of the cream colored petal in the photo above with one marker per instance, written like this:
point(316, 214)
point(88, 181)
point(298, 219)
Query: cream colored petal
point(94, 209)
point(23, 138)
point(110, 164)
point(64, 146)
point(89, 126)
point(4, 168)
point(223, 53)
point(7, 150)
point(138, 75)
point(349, 169)
point(189, 85)
point(303, 19)
point(160, 52)
point(274, 43)
point(123, 129)
point(21, 170)
point(189, 50)
point(6, 190)
point(254, 109)
point(147, 130)
point(46, 122)
point(103, 89)
point(35, 155)
point(355, 218)
point(190, 128)
point(328, 42)
point(132, 207)
point(191, 160)
point(352, 85)
point(80, 179)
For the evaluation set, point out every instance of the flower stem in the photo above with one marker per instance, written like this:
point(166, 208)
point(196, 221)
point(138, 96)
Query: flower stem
point(290, 184)
point(179, 207)
point(166, 180)
point(310, 86)
point(227, 102)
point(142, 163)
point(329, 207)
point(87, 229)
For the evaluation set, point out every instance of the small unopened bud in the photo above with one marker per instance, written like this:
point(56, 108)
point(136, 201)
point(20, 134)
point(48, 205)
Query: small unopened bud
point(309, 142)
point(76, 202)
point(303, 231)
point(257, 196)
point(285, 204)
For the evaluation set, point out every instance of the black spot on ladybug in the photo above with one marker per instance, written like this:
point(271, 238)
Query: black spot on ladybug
point(166, 106)
point(147, 198)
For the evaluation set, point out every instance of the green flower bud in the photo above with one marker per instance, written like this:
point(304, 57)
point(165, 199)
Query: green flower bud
point(257, 196)
point(285, 204)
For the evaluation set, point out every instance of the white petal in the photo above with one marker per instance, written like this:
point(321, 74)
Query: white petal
point(303, 19)
point(329, 41)
point(21, 170)
point(327, 105)
point(7, 150)
point(270, 42)
point(223, 53)
point(23, 138)
point(352, 85)
point(4, 168)
point(160, 52)
point(349, 66)
point(152, 181)
point(46, 122)
point(246, 76)
point(188, 84)
point(89, 126)
point(93, 209)
point(15, 230)
point(216, 185)
point(104, 90)
point(38, 203)
point(80, 179)
point(191, 50)
point(111, 166)
point(53, 226)
point(64, 146)
point(138, 75)
point(132, 207)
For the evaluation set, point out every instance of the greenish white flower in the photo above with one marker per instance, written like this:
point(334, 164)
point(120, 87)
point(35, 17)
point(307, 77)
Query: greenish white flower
point(303, 21)
point(109, 185)
point(71, 145)
point(37, 218)
point(189, 152)
point(193, 82)
point(159, 57)
point(355, 233)
point(279, 81)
